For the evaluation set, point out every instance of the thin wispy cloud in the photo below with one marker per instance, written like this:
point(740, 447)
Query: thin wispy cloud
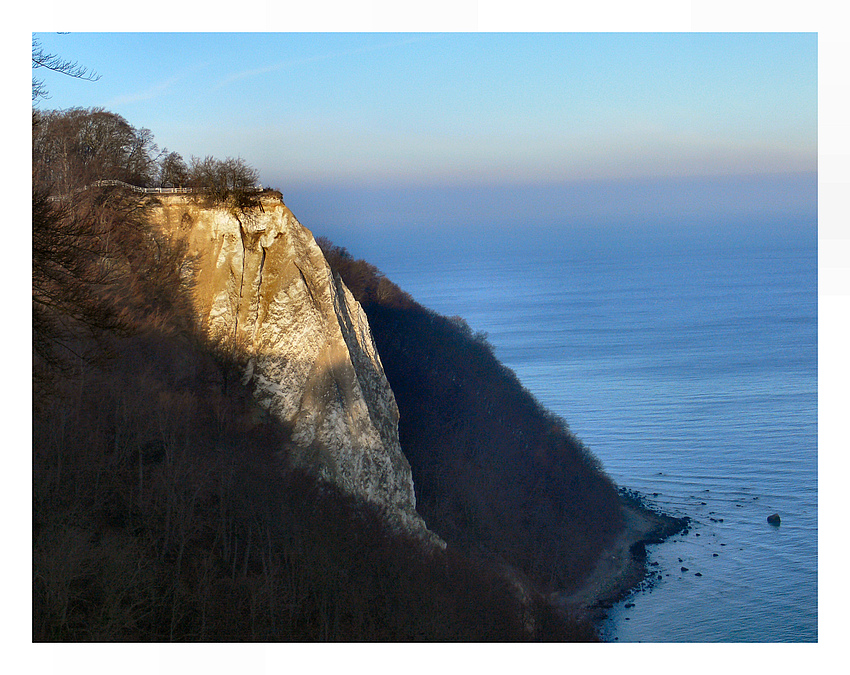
point(151, 92)
point(255, 72)
point(158, 89)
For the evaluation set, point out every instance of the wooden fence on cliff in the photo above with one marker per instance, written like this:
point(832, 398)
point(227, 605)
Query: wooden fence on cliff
point(144, 190)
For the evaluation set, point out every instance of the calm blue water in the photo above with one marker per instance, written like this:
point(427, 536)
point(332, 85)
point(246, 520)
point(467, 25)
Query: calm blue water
point(691, 372)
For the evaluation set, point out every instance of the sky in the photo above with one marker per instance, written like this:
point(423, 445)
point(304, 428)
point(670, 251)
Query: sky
point(389, 127)
point(471, 107)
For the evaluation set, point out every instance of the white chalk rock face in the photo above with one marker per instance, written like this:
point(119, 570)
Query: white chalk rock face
point(263, 285)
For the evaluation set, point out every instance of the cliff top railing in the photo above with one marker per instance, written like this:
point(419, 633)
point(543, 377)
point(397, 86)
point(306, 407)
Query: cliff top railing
point(144, 190)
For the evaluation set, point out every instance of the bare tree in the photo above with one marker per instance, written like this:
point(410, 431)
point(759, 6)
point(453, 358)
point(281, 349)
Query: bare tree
point(74, 148)
point(41, 59)
point(231, 181)
point(173, 171)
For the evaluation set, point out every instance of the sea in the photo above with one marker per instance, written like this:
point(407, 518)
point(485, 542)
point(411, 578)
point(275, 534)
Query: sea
point(689, 367)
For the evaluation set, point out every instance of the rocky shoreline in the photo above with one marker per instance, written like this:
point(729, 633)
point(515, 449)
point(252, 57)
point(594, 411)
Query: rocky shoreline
point(623, 565)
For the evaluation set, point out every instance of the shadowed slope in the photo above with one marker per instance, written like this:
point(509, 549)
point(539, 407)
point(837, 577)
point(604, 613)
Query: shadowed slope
point(493, 470)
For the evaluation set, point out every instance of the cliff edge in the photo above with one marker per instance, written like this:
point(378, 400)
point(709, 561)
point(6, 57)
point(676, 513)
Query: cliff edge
point(263, 289)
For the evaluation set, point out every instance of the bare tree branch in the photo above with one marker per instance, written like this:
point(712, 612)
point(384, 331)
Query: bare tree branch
point(53, 62)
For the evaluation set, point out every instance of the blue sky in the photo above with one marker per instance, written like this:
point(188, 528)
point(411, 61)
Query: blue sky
point(461, 108)
point(381, 130)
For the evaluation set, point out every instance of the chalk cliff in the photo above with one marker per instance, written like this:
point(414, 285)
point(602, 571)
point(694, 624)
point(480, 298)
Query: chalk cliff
point(263, 287)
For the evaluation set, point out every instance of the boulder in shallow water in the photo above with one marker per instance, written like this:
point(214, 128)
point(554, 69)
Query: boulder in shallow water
point(774, 519)
point(638, 550)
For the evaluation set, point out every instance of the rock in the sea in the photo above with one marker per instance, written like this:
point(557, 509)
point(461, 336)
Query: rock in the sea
point(774, 519)
point(638, 550)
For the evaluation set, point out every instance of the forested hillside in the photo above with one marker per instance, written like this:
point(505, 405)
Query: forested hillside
point(494, 471)
point(161, 506)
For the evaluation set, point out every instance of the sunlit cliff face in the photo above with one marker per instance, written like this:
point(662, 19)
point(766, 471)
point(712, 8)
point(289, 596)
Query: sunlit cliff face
point(262, 288)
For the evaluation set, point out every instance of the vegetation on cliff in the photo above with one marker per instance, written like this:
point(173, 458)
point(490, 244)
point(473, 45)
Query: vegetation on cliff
point(161, 510)
point(494, 471)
